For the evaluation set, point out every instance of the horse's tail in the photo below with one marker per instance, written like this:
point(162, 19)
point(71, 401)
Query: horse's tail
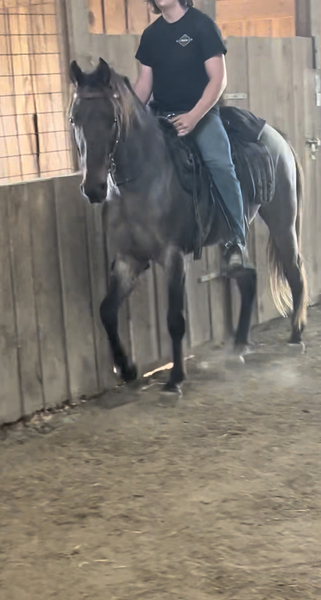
point(280, 290)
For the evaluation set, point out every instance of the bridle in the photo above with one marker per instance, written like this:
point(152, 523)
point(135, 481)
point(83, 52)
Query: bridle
point(96, 95)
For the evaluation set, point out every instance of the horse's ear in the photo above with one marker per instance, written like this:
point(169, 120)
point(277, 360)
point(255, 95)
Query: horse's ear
point(76, 74)
point(103, 72)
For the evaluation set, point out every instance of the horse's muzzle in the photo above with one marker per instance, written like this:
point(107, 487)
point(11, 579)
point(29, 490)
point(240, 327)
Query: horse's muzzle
point(96, 193)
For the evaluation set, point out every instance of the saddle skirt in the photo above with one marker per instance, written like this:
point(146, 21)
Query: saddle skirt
point(253, 165)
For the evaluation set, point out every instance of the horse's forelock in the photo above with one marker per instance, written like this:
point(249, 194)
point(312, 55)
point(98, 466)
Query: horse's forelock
point(118, 92)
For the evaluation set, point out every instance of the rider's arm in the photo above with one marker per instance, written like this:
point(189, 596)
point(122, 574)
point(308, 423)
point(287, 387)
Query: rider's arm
point(144, 84)
point(216, 71)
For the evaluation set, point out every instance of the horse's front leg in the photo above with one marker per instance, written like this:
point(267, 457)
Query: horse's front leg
point(124, 274)
point(246, 281)
point(175, 269)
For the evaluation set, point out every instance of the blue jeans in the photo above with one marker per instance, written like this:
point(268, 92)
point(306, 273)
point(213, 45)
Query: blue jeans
point(214, 145)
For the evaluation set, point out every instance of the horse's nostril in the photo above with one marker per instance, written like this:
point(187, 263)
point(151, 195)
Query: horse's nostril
point(103, 189)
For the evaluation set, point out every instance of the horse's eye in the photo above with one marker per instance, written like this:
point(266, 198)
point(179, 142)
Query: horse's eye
point(71, 120)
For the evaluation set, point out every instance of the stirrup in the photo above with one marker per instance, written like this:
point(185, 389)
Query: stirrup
point(235, 258)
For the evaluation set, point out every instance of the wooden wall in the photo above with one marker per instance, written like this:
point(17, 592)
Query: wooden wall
point(53, 252)
point(33, 137)
point(53, 270)
point(262, 18)
point(116, 17)
point(235, 17)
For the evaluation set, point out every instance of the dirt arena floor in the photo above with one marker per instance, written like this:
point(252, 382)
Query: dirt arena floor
point(215, 495)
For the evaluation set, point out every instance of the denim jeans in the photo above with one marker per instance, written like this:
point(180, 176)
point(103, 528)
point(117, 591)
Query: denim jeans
point(214, 145)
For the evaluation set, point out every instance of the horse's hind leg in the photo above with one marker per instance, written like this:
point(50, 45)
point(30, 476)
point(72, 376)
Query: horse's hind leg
point(123, 277)
point(283, 216)
point(286, 265)
point(247, 287)
point(286, 252)
point(175, 269)
point(296, 278)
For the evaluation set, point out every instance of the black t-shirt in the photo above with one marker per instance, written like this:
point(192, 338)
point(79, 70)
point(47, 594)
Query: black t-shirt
point(177, 53)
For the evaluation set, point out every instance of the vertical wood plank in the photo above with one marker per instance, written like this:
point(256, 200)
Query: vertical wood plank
point(47, 286)
point(305, 22)
point(144, 321)
point(98, 284)
point(95, 16)
point(115, 17)
point(10, 397)
point(79, 34)
point(207, 6)
point(76, 293)
point(165, 346)
point(119, 51)
point(23, 286)
point(137, 16)
point(237, 73)
point(218, 298)
point(198, 306)
point(318, 226)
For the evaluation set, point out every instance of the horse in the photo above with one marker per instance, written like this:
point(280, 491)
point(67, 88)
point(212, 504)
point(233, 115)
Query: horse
point(150, 217)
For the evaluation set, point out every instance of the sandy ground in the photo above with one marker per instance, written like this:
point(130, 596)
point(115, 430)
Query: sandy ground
point(135, 496)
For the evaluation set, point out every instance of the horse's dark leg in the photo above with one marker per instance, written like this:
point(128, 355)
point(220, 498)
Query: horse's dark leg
point(247, 287)
point(123, 277)
point(175, 318)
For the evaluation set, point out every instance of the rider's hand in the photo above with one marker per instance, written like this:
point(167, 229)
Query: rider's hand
point(184, 124)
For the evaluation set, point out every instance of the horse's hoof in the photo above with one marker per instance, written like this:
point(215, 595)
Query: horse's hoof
point(172, 388)
point(130, 374)
point(235, 359)
point(297, 347)
point(242, 350)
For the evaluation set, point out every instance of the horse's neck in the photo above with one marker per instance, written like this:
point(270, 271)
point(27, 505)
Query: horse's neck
point(140, 150)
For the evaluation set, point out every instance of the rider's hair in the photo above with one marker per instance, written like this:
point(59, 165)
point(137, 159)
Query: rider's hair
point(183, 3)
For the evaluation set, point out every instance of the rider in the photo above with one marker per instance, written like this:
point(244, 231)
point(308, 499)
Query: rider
point(182, 62)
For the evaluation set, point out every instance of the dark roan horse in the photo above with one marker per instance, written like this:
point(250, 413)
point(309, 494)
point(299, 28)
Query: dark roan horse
point(125, 160)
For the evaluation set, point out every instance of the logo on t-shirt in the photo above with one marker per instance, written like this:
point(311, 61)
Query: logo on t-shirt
point(184, 40)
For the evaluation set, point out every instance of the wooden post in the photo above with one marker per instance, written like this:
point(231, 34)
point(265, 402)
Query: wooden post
point(307, 18)
point(78, 32)
point(208, 7)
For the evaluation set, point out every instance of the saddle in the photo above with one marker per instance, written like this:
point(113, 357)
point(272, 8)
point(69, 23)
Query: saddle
point(253, 164)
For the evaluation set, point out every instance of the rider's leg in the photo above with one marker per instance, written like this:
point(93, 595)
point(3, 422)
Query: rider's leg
point(214, 145)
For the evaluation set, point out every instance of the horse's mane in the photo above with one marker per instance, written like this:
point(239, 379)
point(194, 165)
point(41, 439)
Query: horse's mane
point(128, 107)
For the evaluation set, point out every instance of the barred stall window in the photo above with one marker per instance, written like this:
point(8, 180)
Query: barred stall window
point(34, 137)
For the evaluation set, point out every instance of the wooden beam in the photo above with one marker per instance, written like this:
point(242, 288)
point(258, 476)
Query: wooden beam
point(308, 18)
point(248, 10)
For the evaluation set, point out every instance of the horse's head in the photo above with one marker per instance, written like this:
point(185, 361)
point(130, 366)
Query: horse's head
point(96, 125)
